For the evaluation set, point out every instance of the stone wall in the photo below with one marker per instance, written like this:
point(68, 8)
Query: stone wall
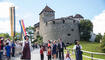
point(66, 29)
point(45, 17)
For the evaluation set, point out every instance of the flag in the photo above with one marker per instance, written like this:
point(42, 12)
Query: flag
point(23, 27)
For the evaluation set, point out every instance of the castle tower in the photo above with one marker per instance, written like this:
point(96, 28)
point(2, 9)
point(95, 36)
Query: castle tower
point(45, 15)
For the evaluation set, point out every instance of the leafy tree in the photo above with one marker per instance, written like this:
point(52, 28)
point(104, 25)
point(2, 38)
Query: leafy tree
point(98, 37)
point(30, 31)
point(85, 28)
point(17, 36)
point(38, 40)
point(103, 43)
point(5, 35)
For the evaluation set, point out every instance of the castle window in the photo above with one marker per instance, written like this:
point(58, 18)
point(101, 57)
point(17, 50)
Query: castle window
point(72, 29)
point(73, 21)
point(46, 23)
point(63, 21)
point(68, 34)
point(38, 33)
point(53, 22)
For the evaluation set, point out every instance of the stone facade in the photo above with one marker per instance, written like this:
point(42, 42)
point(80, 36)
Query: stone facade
point(50, 28)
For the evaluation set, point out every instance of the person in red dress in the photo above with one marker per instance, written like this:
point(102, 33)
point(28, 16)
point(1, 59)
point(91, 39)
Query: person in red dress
point(26, 54)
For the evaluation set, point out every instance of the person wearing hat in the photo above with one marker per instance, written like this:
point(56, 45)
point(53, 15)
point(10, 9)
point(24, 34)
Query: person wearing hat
point(26, 53)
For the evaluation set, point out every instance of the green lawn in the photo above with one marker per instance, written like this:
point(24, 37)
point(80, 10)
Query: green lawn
point(73, 56)
point(90, 46)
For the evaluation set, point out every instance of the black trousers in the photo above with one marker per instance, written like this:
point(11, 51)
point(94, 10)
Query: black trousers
point(13, 51)
point(42, 57)
point(0, 56)
point(61, 55)
point(57, 54)
point(49, 57)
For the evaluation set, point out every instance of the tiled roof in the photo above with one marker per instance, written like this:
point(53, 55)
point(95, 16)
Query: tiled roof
point(47, 9)
point(78, 16)
point(37, 24)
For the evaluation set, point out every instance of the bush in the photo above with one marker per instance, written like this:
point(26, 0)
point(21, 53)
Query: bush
point(103, 44)
point(98, 38)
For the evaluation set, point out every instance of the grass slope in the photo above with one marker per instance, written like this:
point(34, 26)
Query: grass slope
point(92, 47)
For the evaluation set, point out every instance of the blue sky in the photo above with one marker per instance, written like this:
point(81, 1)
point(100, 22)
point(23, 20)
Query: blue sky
point(87, 8)
point(29, 9)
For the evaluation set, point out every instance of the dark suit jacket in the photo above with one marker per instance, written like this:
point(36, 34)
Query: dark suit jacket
point(59, 47)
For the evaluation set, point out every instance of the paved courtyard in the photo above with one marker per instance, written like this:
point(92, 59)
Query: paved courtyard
point(35, 55)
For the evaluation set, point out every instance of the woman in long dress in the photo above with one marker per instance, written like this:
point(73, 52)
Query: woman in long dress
point(26, 54)
point(78, 51)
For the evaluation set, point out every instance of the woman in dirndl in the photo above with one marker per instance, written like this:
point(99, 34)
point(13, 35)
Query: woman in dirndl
point(78, 51)
point(26, 53)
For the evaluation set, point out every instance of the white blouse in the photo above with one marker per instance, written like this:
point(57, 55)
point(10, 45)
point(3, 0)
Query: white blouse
point(74, 48)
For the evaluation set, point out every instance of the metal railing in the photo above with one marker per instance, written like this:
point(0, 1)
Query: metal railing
point(92, 53)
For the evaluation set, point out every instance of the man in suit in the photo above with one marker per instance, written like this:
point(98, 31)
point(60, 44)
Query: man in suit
point(61, 47)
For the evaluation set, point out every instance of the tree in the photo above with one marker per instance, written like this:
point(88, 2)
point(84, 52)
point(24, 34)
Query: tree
point(85, 28)
point(18, 37)
point(103, 43)
point(30, 31)
point(5, 35)
point(98, 37)
point(39, 39)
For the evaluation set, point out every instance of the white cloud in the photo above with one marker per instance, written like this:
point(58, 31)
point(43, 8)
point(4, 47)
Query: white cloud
point(4, 26)
point(28, 18)
point(99, 23)
point(4, 9)
point(4, 18)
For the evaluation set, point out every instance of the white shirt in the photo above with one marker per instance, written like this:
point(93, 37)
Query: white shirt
point(9, 42)
point(74, 48)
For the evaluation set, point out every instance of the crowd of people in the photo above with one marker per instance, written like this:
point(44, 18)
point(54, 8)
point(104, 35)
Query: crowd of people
point(9, 48)
point(54, 49)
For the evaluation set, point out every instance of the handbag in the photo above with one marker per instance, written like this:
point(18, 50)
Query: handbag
point(81, 52)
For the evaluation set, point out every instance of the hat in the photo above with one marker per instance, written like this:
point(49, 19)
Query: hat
point(26, 36)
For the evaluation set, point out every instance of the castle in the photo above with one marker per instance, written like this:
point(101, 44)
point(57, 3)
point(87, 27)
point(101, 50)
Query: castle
point(50, 28)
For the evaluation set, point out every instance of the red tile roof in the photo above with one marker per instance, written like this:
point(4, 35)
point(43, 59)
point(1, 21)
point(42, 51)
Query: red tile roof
point(47, 9)
point(78, 16)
